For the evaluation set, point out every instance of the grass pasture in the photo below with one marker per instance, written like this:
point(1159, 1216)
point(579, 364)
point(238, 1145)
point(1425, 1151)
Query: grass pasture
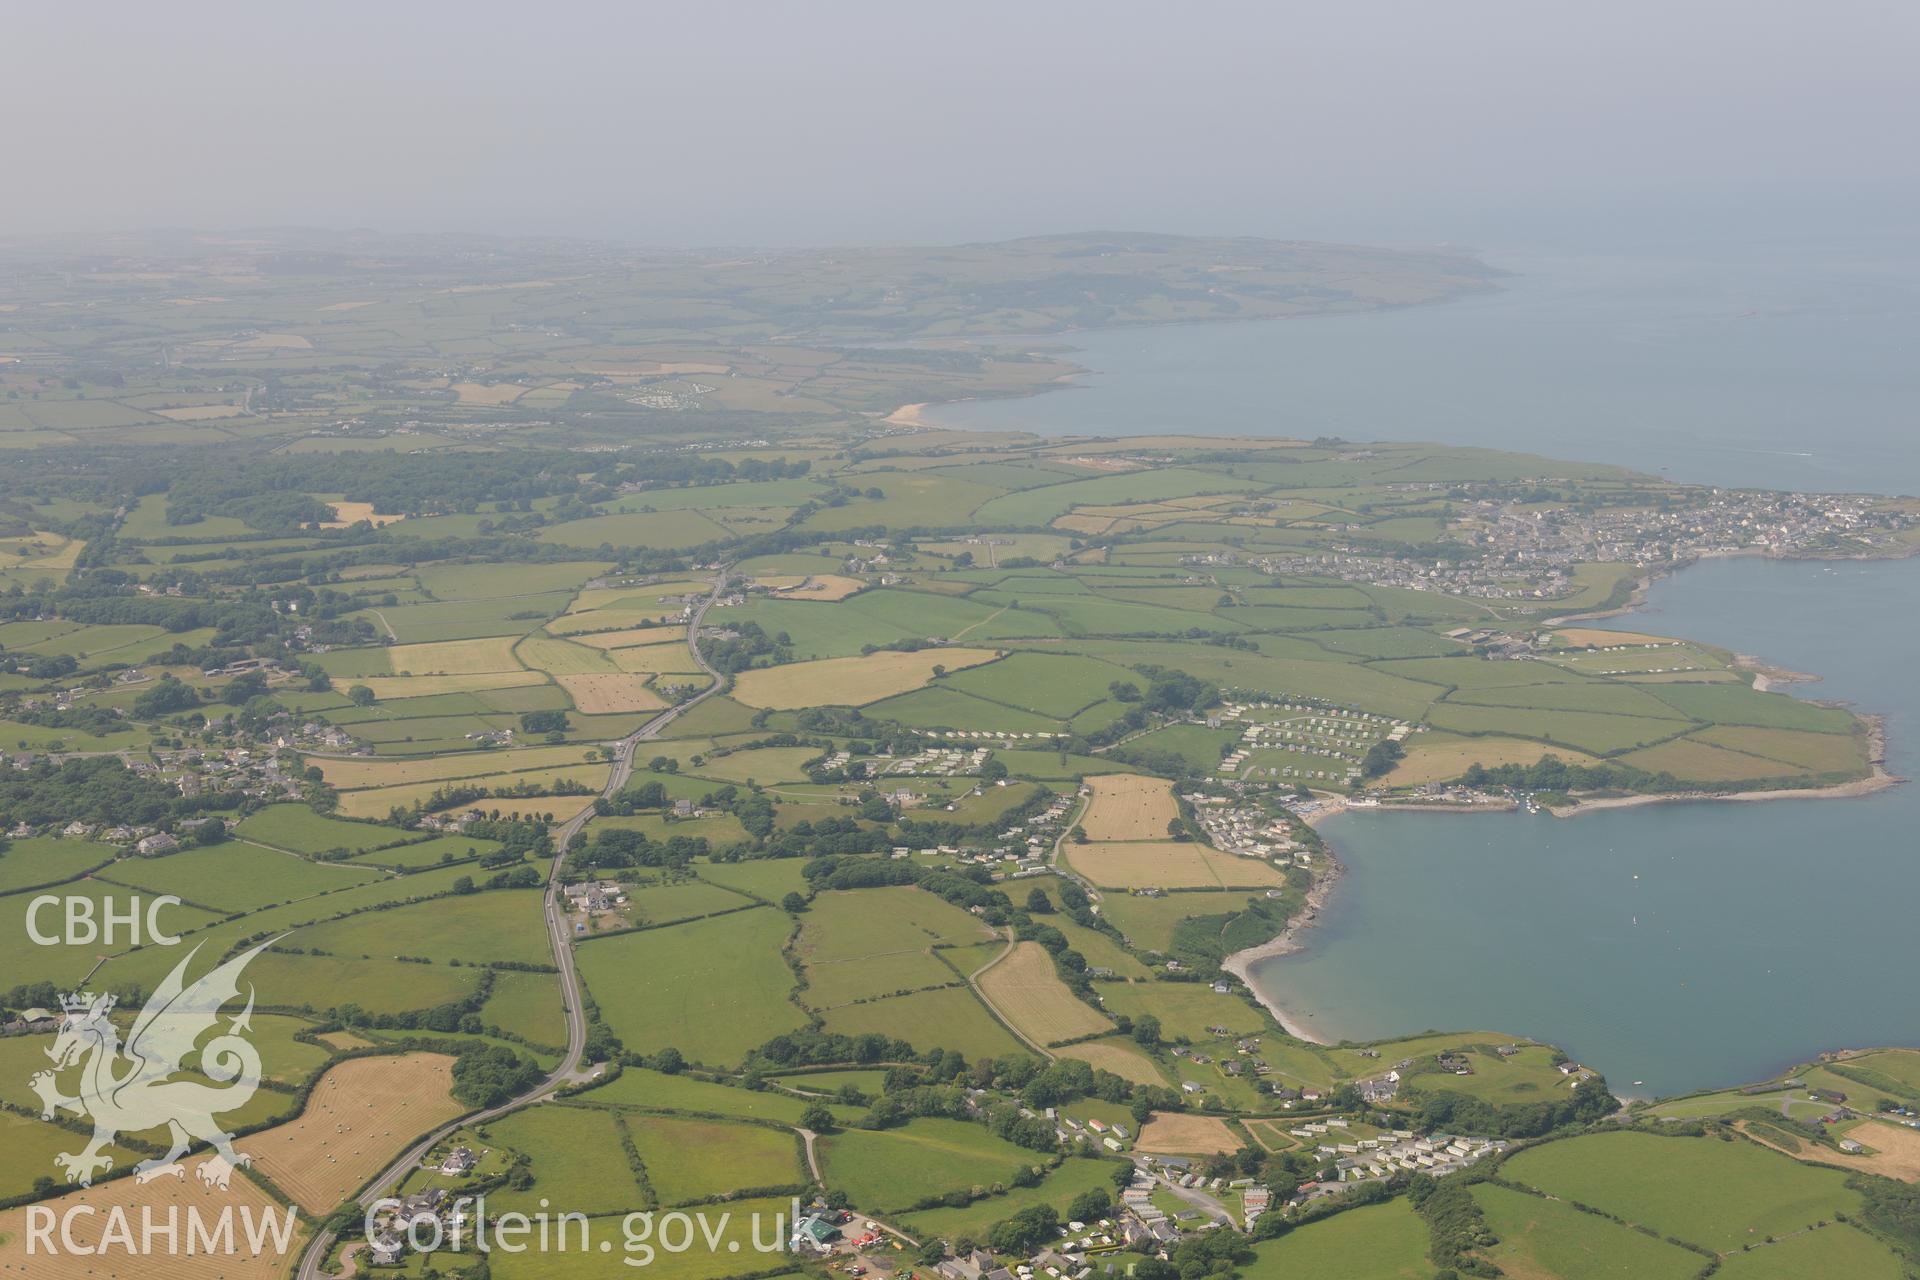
point(711, 988)
point(882, 1170)
point(1546, 1237)
point(235, 876)
point(1719, 1195)
point(575, 1157)
point(1058, 1189)
point(942, 1018)
point(499, 924)
point(1374, 1242)
point(43, 860)
point(692, 1159)
point(1183, 1008)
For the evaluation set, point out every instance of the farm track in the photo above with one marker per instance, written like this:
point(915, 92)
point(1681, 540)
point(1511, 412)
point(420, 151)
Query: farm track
point(568, 1070)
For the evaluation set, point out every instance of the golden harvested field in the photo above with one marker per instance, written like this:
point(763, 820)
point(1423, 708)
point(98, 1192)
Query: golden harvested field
point(850, 682)
point(374, 802)
point(351, 513)
point(1128, 806)
point(481, 393)
point(351, 775)
point(360, 1115)
point(181, 1195)
point(672, 659)
point(1030, 995)
point(633, 637)
point(1121, 1060)
point(606, 619)
point(600, 694)
point(1168, 1133)
point(821, 586)
point(1896, 1149)
point(1447, 759)
point(1168, 864)
point(389, 687)
point(454, 657)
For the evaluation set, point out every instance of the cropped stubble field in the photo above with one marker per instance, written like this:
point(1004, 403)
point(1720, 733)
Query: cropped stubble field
point(1030, 995)
point(1129, 807)
point(359, 1116)
point(849, 681)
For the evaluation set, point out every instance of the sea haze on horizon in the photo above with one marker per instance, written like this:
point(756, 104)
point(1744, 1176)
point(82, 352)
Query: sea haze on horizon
point(1788, 366)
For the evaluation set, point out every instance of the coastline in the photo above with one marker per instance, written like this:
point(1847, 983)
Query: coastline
point(1291, 940)
point(1240, 963)
point(1879, 780)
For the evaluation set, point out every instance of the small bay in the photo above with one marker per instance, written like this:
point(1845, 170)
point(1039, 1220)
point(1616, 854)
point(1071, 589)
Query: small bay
point(1683, 945)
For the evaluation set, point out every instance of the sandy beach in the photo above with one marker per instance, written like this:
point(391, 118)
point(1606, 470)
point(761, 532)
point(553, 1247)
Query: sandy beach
point(1296, 1023)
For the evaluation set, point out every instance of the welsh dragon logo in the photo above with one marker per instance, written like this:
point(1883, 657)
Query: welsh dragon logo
point(130, 1088)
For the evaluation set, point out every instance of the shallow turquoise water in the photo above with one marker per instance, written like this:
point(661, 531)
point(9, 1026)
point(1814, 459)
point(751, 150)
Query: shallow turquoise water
point(1682, 945)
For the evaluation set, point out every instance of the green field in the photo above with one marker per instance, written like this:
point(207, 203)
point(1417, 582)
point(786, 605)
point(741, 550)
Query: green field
point(1375, 1242)
point(712, 989)
point(1719, 1195)
point(235, 876)
point(1058, 1188)
point(42, 860)
point(944, 1018)
point(499, 924)
point(296, 827)
point(639, 1088)
point(893, 1169)
point(577, 1160)
point(689, 1160)
point(1539, 1236)
point(1836, 1252)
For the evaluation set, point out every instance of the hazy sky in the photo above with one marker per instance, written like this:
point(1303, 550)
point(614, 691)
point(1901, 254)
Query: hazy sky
point(910, 121)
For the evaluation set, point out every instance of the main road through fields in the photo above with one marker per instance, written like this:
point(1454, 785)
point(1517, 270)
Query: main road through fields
point(568, 1070)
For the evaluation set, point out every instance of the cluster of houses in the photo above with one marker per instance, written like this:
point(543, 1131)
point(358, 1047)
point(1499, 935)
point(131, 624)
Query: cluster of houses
point(146, 841)
point(1246, 830)
point(387, 1243)
point(592, 898)
point(1523, 551)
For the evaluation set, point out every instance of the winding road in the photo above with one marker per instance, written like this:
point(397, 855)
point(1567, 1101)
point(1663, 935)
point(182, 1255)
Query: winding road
point(568, 1071)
